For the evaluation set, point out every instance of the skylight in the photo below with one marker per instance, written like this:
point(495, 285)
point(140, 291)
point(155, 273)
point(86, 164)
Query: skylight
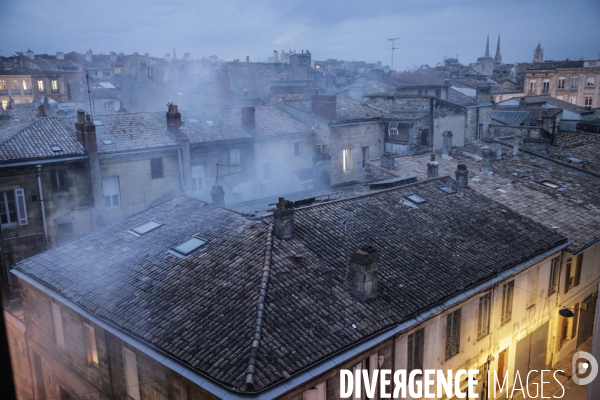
point(187, 247)
point(550, 184)
point(575, 160)
point(518, 174)
point(147, 227)
point(210, 123)
point(447, 189)
point(107, 141)
point(98, 123)
point(192, 120)
point(415, 198)
point(56, 149)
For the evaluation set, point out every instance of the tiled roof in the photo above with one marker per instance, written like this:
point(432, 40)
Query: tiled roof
point(203, 310)
point(547, 65)
point(39, 65)
point(456, 97)
point(25, 112)
point(34, 141)
point(557, 103)
point(414, 80)
point(474, 83)
point(574, 210)
point(512, 117)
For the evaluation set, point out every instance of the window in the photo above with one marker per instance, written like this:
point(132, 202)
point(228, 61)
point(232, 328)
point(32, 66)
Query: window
point(59, 336)
point(507, 300)
point(19, 354)
point(40, 85)
point(4, 104)
point(319, 392)
point(147, 227)
point(546, 86)
point(485, 310)
point(453, 334)
point(234, 157)
point(156, 168)
point(108, 105)
point(574, 83)
point(26, 85)
point(12, 207)
point(298, 149)
point(131, 374)
point(90, 344)
point(589, 83)
point(15, 85)
point(588, 101)
point(365, 156)
point(532, 85)
point(150, 72)
point(554, 275)
point(573, 273)
point(59, 180)
point(415, 198)
point(3, 85)
point(110, 189)
point(54, 84)
point(438, 93)
point(561, 83)
point(415, 350)
point(347, 159)
point(267, 171)
point(189, 246)
point(197, 178)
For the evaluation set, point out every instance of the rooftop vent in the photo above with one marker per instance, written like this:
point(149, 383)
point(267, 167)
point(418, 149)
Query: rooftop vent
point(188, 247)
point(147, 227)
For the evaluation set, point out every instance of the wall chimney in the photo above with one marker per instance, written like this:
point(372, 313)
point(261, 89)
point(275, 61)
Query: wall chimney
point(497, 151)
point(86, 134)
point(432, 167)
point(447, 145)
point(324, 106)
point(364, 266)
point(30, 54)
point(283, 221)
point(60, 55)
point(174, 120)
point(462, 175)
point(387, 161)
point(217, 195)
point(249, 118)
point(486, 161)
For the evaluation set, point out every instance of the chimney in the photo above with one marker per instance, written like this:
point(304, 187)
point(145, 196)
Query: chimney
point(462, 175)
point(174, 120)
point(168, 57)
point(113, 56)
point(30, 54)
point(60, 55)
point(275, 55)
point(41, 111)
point(498, 152)
point(79, 125)
point(516, 148)
point(432, 167)
point(387, 161)
point(364, 265)
point(223, 86)
point(283, 221)
point(89, 134)
point(486, 161)
point(447, 145)
point(247, 59)
point(249, 118)
point(88, 55)
point(217, 195)
point(324, 106)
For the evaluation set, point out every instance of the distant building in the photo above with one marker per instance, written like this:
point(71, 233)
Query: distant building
point(538, 53)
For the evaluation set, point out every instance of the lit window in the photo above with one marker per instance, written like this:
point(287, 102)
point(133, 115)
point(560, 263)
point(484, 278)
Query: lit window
point(4, 104)
point(112, 194)
point(54, 83)
point(59, 336)
point(156, 168)
point(3, 85)
point(131, 374)
point(90, 344)
point(589, 83)
point(189, 246)
point(507, 300)
point(26, 85)
point(197, 178)
point(347, 159)
point(147, 227)
point(15, 85)
point(40, 85)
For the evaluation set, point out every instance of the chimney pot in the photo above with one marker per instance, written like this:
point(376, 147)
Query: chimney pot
point(432, 167)
point(364, 265)
point(283, 221)
point(516, 148)
point(174, 120)
point(462, 175)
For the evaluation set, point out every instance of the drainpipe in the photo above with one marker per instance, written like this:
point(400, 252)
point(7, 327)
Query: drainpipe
point(39, 179)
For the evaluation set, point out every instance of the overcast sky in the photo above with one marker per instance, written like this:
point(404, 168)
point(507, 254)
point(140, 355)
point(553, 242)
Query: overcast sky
point(345, 29)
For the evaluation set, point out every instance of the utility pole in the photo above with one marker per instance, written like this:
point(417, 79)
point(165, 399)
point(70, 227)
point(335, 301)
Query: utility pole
point(393, 40)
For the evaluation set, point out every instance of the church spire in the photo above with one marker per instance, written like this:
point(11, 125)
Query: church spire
point(174, 55)
point(538, 54)
point(487, 47)
point(498, 57)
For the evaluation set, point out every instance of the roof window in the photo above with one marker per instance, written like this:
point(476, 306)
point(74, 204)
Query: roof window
point(447, 189)
point(210, 123)
point(56, 149)
point(107, 141)
point(575, 160)
point(147, 227)
point(415, 198)
point(188, 247)
point(518, 174)
point(550, 184)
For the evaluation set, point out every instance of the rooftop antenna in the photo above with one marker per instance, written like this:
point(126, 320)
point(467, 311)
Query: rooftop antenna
point(393, 40)
point(87, 79)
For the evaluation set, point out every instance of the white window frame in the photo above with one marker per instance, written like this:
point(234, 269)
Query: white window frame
point(108, 186)
point(590, 82)
point(198, 178)
point(131, 374)
point(574, 83)
point(91, 346)
point(54, 84)
point(41, 85)
point(20, 208)
point(59, 334)
point(347, 160)
point(561, 83)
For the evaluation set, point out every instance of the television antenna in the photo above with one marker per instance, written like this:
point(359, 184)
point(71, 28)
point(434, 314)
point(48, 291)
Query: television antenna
point(393, 40)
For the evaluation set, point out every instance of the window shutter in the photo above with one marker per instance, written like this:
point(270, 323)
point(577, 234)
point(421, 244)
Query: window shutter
point(568, 275)
point(456, 328)
point(410, 355)
point(577, 276)
point(418, 355)
point(449, 336)
point(21, 207)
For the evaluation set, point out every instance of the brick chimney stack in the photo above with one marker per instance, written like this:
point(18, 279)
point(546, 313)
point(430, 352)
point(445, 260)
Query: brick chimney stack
point(432, 167)
point(217, 195)
point(364, 264)
point(174, 125)
point(447, 145)
point(249, 118)
point(462, 175)
point(86, 135)
point(174, 120)
point(283, 221)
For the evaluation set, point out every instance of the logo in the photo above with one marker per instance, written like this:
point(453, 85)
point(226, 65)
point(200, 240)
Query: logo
point(581, 368)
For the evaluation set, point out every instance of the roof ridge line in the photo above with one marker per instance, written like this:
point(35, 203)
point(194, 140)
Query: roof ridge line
point(260, 310)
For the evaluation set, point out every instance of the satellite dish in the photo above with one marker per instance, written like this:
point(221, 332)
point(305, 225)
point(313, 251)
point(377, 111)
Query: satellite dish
point(116, 105)
point(386, 69)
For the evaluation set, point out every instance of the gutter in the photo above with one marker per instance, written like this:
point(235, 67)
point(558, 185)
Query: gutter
point(334, 361)
point(39, 181)
point(46, 161)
